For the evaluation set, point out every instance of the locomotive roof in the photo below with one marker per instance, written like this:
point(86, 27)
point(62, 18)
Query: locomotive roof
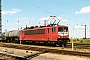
point(42, 27)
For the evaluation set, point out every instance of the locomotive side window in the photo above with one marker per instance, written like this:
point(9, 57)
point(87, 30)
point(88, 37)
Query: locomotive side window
point(62, 29)
point(54, 29)
point(40, 31)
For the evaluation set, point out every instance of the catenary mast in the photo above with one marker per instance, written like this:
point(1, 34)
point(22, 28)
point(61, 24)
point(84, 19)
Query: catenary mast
point(0, 19)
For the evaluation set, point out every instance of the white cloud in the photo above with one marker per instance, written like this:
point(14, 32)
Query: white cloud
point(43, 18)
point(22, 19)
point(13, 29)
point(33, 18)
point(79, 27)
point(2, 24)
point(65, 20)
point(56, 18)
point(86, 24)
point(50, 18)
point(28, 22)
point(83, 10)
point(13, 11)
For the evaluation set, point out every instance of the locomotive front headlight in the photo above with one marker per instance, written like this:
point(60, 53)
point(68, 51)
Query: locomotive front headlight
point(67, 36)
point(58, 36)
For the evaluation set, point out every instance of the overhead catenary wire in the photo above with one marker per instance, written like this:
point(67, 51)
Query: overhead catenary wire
point(42, 9)
point(52, 13)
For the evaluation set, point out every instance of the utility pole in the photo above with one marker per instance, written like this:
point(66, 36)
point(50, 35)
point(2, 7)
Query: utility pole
point(85, 30)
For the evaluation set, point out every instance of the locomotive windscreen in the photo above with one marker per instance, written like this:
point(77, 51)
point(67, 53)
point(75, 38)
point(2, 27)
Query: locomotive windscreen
point(62, 29)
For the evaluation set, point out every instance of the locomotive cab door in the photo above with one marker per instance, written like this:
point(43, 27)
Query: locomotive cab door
point(49, 34)
point(52, 35)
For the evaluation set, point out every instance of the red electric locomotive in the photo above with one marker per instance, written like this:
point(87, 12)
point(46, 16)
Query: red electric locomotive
point(48, 34)
point(58, 35)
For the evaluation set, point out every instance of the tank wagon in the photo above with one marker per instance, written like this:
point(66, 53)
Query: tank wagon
point(11, 35)
point(57, 35)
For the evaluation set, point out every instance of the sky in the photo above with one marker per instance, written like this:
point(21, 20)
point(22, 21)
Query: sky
point(73, 13)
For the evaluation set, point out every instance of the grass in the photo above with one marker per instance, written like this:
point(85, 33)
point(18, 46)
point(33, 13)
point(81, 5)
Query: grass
point(81, 40)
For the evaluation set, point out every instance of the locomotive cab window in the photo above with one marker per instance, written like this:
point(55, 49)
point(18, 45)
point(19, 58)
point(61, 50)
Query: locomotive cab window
point(54, 29)
point(65, 29)
point(62, 29)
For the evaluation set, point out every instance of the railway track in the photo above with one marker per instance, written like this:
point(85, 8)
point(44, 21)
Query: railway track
point(69, 45)
point(24, 47)
point(79, 46)
point(6, 54)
